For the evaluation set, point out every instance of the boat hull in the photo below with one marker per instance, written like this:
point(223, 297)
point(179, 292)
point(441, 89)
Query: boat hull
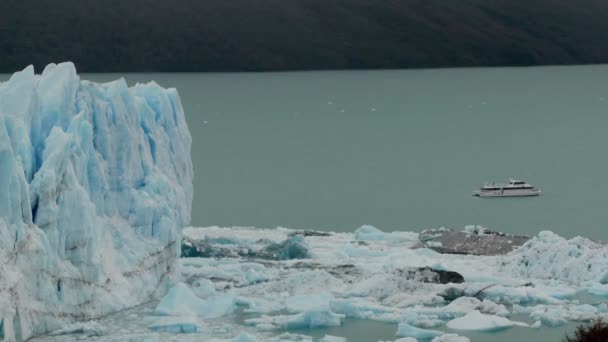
point(507, 193)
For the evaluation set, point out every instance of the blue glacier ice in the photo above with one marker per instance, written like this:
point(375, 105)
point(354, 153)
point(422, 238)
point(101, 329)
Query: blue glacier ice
point(181, 301)
point(406, 330)
point(176, 325)
point(95, 187)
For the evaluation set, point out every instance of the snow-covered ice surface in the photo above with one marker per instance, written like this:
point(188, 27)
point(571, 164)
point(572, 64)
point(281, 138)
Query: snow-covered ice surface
point(95, 187)
point(369, 275)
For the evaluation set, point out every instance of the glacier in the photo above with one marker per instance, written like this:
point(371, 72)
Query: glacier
point(95, 187)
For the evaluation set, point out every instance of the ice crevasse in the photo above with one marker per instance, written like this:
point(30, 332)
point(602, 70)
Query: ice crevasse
point(95, 186)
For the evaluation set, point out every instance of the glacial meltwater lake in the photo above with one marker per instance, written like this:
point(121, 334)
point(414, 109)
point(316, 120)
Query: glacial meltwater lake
point(399, 150)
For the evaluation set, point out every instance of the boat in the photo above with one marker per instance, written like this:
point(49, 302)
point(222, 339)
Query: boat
point(513, 188)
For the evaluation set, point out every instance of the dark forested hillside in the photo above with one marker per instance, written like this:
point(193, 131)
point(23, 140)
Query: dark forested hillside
point(220, 35)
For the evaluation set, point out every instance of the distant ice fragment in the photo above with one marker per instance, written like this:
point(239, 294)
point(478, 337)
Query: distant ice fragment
point(305, 320)
point(308, 302)
point(330, 338)
point(243, 337)
point(91, 328)
point(180, 301)
point(370, 233)
point(475, 320)
point(406, 330)
point(550, 256)
point(176, 325)
point(451, 338)
point(203, 288)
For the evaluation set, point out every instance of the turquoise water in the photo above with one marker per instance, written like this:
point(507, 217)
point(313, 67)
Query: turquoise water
point(401, 150)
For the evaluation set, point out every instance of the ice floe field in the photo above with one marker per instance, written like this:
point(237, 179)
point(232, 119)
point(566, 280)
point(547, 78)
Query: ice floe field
point(250, 284)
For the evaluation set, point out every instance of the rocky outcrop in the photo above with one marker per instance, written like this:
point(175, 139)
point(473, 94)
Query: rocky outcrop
point(473, 240)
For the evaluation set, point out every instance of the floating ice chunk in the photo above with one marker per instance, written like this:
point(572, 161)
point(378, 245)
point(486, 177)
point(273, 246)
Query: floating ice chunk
point(293, 248)
point(369, 233)
point(536, 325)
point(553, 316)
point(550, 318)
point(330, 338)
point(404, 339)
point(549, 256)
point(259, 305)
point(559, 292)
point(293, 337)
point(90, 328)
point(308, 302)
point(252, 276)
point(304, 320)
point(518, 295)
point(406, 330)
point(420, 319)
point(358, 308)
point(176, 325)
point(451, 338)
point(243, 337)
point(180, 301)
point(475, 320)
point(203, 288)
point(464, 305)
point(598, 289)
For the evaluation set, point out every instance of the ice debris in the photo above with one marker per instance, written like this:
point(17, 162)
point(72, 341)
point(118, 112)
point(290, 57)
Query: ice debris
point(379, 277)
point(304, 320)
point(243, 337)
point(475, 320)
point(330, 338)
point(451, 338)
point(293, 247)
point(91, 328)
point(407, 330)
point(180, 301)
point(176, 325)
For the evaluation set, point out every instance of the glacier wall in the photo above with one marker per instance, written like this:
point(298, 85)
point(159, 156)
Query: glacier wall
point(95, 186)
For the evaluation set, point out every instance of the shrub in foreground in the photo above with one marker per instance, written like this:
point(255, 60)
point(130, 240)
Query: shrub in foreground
point(597, 331)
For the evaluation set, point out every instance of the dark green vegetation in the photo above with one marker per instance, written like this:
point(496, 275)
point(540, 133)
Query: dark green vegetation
point(595, 332)
point(237, 35)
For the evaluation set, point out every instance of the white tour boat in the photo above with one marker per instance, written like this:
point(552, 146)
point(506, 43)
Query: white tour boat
point(512, 188)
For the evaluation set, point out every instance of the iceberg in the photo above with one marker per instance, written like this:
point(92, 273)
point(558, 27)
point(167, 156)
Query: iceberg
point(88, 329)
point(330, 338)
point(451, 338)
point(406, 330)
point(304, 320)
point(95, 187)
point(475, 320)
point(176, 325)
point(243, 337)
point(181, 301)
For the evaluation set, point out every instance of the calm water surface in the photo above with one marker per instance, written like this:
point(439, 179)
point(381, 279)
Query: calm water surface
point(401, 150)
